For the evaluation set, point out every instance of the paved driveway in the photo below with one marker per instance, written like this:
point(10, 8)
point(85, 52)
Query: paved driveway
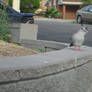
point(60, 31)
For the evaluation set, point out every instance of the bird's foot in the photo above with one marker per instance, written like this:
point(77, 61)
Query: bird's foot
point(79, 49)
point(74, 49)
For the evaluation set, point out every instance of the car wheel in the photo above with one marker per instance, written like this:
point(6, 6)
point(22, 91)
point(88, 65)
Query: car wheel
point(79, 19)
point(28, 20)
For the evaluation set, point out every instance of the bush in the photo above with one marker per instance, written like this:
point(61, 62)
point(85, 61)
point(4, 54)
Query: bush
point(42, 13)
point(52, 13)
point(4, 31)
point(10, 2)
point(29, 5)
point(87, 2)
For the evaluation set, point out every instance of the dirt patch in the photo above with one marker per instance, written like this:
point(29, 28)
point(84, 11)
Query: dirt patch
point(10, 49)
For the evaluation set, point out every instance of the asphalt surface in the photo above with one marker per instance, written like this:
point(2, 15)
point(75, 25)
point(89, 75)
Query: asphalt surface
point(61, 32)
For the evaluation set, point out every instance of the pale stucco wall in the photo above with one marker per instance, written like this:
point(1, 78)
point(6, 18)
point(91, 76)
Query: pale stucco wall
point(16, 5)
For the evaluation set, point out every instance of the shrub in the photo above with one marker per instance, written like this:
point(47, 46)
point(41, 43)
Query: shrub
point(29, 5)
point(10, 2)
point(42, 13)
point(4, 31)
point(87, 2)
point(52, 13)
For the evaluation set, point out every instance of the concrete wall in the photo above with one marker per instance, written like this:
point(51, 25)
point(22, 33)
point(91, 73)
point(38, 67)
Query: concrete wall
point(23, 31)
point(26, 35)
point(58, 71)
point(40, 44)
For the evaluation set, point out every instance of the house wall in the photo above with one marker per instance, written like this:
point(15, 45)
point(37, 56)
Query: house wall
point(16, 5)
point(70, 12)
point(61, 10)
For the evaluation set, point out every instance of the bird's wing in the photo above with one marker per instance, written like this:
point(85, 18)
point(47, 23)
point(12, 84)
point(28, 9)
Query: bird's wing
point(77, 39)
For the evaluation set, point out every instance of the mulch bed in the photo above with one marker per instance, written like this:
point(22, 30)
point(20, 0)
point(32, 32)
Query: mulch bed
point(10, 49)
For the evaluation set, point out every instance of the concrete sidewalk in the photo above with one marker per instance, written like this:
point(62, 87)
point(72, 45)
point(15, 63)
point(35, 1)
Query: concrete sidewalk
point(54, 20)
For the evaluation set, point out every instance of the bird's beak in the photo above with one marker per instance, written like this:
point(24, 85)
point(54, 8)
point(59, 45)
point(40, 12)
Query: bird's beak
point(86, 29)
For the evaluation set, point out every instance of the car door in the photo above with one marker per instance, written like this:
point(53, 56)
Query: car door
point(9, 15)
point(12, 15)
point(84, 13)
point(90, 14)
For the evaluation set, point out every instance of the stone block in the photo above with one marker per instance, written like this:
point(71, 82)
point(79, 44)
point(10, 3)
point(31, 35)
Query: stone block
point(23, 31)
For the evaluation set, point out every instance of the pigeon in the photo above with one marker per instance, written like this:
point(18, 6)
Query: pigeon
point(79, 37)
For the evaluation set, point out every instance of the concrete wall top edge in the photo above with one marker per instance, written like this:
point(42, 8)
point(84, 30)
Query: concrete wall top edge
point(60, 56)
point(43, 41)
point(43, 64)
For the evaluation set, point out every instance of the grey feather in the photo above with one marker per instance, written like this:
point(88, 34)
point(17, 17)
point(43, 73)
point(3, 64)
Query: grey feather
point(79, 37)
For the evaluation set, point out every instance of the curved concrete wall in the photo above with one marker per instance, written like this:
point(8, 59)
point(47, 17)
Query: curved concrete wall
point(57, 71)
point(36, 44)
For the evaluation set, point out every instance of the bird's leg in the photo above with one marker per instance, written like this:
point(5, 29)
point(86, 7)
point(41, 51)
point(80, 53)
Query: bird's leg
point(79, 48)
point(74, 49)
